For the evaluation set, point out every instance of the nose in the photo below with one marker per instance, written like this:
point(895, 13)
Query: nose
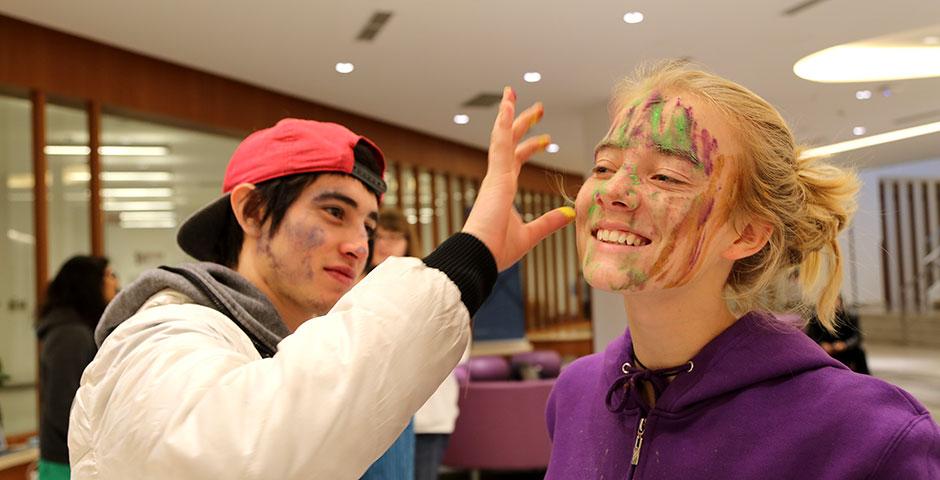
point(620, 192)
point(357, 246)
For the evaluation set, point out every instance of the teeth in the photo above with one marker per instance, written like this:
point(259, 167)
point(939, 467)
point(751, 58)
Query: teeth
point(619, 237)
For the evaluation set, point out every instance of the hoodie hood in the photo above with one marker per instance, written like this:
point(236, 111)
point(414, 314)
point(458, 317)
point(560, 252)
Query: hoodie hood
point(246, 305)
point(726, 364)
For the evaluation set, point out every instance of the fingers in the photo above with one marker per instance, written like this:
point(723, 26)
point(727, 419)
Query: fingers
point(527, 119)
point(531, 145)
point(548, 223)
point(501, 137)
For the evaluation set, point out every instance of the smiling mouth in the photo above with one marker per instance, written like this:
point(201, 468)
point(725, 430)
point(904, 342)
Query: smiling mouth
point(619, 237)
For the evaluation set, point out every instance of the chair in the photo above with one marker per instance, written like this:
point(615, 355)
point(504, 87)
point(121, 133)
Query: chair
point(501, 425)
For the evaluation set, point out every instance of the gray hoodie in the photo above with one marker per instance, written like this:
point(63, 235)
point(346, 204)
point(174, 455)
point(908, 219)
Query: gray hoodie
point(210, 285)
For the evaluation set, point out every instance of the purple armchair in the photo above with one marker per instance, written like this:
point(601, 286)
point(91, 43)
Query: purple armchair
point(501, 425)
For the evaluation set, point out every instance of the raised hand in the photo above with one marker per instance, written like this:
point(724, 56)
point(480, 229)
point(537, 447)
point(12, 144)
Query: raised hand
point(493, 219)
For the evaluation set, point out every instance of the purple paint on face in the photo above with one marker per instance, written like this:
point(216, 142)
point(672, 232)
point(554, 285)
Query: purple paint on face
point(706, 212)
point(709, 147)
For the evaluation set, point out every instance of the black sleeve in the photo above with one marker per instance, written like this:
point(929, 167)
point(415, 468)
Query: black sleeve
point(469, 264)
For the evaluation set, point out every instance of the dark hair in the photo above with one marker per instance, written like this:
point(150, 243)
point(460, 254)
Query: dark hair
point(272, 198)
point(78, 285)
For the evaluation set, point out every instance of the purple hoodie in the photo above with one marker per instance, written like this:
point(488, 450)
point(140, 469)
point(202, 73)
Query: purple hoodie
point(762, 401)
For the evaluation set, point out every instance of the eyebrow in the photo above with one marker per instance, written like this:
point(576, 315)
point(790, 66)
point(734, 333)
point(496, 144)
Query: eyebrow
point(343, 198)
point(686, 155)
point(680, 154)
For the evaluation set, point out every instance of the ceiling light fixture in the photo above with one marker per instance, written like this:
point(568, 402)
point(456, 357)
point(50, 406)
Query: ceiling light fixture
point(859, 131)
point(137, 192)
point(873, 140)
point(118, 177)
point(866, 63)
point(109, 150)
point(633, 17)
point(863, 94)
point(552, 148)
point(461, 119)
point(147, 216)
point(532, 77)
point(117, 206)
point(160, 224)
point(345, 67)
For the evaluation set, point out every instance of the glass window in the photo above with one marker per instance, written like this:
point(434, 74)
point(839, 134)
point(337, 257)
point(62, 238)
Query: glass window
point(17, 284)
point(67, 183)
point(153, 177)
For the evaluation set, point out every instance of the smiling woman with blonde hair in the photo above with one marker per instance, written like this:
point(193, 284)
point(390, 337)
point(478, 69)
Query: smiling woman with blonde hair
point(698, 202)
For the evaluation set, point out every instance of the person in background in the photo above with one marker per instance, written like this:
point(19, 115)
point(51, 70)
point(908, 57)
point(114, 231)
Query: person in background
point(434, 422)
point(394, 237)
point(845, 343)
point(75, 300)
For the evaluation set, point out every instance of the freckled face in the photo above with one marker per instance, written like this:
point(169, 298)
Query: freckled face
point(321, 245)
point(653, 214)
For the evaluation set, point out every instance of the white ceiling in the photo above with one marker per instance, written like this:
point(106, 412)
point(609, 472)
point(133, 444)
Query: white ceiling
point(433, 56)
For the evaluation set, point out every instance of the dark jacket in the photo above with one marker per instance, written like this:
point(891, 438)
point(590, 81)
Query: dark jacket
point(762, 401)
point(67, 346)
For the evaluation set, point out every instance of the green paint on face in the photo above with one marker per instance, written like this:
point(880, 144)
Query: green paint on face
point(633, 176)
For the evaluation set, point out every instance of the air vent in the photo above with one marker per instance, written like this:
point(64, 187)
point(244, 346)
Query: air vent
point(918, 117)
point(375, 24)
point(484, 100)
point(799, 7)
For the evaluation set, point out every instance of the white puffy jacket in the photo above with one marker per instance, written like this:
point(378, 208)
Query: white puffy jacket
point(179, 392)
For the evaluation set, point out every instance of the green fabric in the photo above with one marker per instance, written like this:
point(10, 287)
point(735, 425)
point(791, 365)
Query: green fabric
point(49, 470)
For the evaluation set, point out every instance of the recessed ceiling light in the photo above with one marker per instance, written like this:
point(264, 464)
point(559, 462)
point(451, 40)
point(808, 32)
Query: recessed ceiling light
point(552, 148)
point(892, 136)
point(532, 77)
point(857, 131)
point(633, 17)
point(931, 40)
point(345, 67)
point(863, 94)
point(461, 119)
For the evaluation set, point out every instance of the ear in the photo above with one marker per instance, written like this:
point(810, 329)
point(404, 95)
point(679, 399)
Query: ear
point(239, 198)
point(751, 238)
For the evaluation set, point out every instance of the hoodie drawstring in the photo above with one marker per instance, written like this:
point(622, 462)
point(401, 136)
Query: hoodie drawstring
point(629, 385)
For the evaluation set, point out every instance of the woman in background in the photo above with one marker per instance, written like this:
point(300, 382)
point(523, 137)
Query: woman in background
point(434, 422)
point(394, 237)
point(75, 300)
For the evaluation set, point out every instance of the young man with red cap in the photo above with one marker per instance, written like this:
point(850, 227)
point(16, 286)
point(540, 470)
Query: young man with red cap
point(255, 362)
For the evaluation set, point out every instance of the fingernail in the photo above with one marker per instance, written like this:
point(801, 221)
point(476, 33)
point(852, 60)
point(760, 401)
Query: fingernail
point(546, 139)
point(566, 211)
point(511, 94)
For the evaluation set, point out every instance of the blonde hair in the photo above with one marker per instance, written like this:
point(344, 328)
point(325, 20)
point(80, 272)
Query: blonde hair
point(806, 201)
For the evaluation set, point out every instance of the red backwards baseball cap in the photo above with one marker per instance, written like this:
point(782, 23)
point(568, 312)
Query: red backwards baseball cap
point(292, 146)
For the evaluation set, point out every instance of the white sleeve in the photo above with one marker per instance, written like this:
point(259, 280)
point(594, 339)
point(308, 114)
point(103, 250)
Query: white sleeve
point(192, 399)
